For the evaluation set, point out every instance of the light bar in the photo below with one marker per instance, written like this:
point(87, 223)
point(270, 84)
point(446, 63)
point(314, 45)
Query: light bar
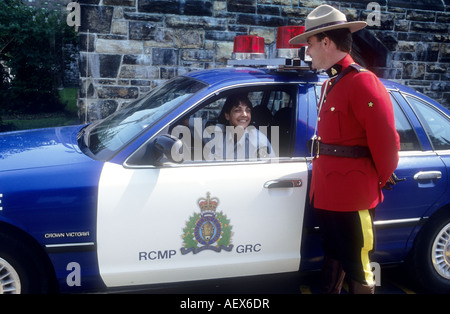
point(248, 47)
point(249, 51)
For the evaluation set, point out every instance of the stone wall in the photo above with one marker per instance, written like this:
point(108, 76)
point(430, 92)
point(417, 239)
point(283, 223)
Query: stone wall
point(129, 46)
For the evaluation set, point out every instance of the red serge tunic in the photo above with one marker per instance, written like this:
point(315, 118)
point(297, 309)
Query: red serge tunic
point(356, 112)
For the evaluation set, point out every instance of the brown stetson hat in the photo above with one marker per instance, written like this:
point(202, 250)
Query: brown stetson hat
point(325, 18)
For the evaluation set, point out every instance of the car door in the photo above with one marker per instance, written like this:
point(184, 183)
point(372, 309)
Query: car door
point(413, 196)
point(199, 220)
point(424, 182)
point(436, 125)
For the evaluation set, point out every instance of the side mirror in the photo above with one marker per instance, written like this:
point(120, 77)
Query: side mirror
point(166, 147)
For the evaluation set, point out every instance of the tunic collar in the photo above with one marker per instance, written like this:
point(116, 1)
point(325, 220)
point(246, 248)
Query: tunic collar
point(341, 65)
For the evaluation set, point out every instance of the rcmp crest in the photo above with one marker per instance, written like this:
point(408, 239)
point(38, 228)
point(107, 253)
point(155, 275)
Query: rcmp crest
point(207, 230)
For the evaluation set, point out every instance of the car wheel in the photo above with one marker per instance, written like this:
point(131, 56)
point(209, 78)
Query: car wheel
point(431, 256)
point(9, 279)
point(21, 269)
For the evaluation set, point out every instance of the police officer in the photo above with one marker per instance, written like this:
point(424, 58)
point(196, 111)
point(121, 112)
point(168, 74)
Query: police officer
point(355, 151)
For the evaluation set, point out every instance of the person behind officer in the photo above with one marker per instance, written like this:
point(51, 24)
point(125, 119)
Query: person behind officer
point(355, 151)
point(241, 140)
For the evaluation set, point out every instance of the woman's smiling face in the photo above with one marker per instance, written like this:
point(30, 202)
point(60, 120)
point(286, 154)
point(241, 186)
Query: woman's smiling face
point(239, 115)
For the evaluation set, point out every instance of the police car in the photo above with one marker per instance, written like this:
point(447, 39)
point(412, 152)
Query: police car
point(134, 199)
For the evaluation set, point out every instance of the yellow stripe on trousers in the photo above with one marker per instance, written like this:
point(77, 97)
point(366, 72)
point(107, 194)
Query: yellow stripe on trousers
point(367, 231)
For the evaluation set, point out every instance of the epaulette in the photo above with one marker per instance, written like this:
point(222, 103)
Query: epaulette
point(353, 66)
point(358, 67)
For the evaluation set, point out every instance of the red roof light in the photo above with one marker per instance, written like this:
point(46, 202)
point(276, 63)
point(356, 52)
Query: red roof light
point(286, 33)
point(248, 44)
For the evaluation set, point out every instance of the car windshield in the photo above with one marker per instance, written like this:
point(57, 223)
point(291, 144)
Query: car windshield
point(105, 138)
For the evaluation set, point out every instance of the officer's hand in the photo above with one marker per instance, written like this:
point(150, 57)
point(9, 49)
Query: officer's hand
point(393, 180)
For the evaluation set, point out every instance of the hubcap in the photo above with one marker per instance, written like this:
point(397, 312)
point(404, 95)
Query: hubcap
point(9, 279)
point(440, 253)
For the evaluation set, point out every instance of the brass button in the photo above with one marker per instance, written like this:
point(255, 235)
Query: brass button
point(333, 109)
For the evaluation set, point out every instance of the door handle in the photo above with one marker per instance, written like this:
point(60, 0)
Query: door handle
point(277, 184)
point(427, 175)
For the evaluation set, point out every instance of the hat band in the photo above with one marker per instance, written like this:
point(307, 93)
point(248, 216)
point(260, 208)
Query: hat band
point(326, 24)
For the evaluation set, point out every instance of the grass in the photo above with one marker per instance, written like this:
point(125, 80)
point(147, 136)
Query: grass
point(43, 121)
point(68, 116)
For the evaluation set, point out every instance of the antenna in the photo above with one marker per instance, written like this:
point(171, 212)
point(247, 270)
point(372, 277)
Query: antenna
point(86, 82)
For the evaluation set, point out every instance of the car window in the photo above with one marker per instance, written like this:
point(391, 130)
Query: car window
point(206, 135)
point(108, 136)
point(408, 138)
point(272, 111)
point(435, 123)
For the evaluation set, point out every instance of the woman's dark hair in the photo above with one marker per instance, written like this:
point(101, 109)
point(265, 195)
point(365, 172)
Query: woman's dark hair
point(233, 100)
point(341, 37)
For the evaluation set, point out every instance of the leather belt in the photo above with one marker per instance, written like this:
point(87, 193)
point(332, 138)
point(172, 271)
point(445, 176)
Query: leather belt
point(320, 148)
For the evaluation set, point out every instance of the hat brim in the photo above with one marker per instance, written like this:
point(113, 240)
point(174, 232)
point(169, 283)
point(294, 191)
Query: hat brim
point(352, 26)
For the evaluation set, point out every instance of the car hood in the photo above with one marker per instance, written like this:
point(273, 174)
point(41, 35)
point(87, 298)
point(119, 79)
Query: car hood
point(40, 148)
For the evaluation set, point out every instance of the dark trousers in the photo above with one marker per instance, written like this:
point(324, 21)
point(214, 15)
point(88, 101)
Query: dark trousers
point(349, 237)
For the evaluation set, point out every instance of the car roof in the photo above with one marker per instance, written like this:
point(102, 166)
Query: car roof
point(248, 75)
point(241, 75)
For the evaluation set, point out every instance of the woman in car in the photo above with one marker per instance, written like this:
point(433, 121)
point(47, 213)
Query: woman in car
point(241, 140)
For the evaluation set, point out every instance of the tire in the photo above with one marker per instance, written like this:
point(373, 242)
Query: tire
point(431, 255)
point(22, 271)
point(9, 279)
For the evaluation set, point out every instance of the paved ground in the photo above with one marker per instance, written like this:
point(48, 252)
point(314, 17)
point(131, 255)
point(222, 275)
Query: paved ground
point(281, 294)
point(393, 281)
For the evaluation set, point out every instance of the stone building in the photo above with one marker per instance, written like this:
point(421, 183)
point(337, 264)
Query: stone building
point(129, 46)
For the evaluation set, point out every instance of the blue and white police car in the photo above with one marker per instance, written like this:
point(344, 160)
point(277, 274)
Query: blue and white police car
point(136, 199)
